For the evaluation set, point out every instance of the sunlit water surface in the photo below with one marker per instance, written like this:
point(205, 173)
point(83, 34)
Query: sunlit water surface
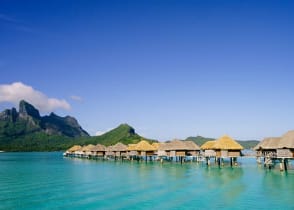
point(49, 181)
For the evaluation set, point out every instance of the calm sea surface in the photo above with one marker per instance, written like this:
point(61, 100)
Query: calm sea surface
point(49, 181)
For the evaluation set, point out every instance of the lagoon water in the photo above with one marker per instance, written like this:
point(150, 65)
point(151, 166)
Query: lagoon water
point(50, 181)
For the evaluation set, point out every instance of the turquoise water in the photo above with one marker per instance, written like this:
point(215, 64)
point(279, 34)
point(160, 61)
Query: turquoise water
point(49, 181)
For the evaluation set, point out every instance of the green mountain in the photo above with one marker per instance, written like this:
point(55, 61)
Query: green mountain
point(199, 140)
point(123, 133)
point(248, 144)
point(26, 130)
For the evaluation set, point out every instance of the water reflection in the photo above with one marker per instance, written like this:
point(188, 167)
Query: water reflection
point(227, 182)
point(278, 187)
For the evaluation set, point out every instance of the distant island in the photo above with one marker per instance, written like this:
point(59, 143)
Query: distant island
point(26, 130)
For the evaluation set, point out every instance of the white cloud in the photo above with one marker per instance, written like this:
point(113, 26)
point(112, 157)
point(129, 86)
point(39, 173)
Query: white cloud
point(99, 133)
point(76, 98)
point(17, 91)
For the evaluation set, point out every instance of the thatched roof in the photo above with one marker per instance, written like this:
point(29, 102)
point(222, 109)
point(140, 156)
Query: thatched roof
point(74, 148)
point(88, 148)
point(156, 145)
point(162, 147)
point(119, 147)
point(208, 145)
point(178, 145)
point(287, 140)
point(268, 143)
point(144, 146)
point(109, 149)
point(227, 143)
point(191, 145)
point(132, 147)
point(98, 148)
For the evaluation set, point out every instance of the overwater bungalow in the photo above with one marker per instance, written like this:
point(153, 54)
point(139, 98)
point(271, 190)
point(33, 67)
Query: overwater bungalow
point(109, 152)
point(119, 150)
point(141, 150)
point(267, 149)
point(208, 149)
point(80, 152)
point(224, 147)
point(132, 151)
point(156, 147)
point(71, 151)
point(145, 149)
point(192, 149)
point(87, 150)
point(227, 147)
point(276, 149)
point(178, 149)
point(98, 150)
point(285, 147)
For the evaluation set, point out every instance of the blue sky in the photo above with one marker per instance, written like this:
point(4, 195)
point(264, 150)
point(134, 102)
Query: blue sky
point(171, 69)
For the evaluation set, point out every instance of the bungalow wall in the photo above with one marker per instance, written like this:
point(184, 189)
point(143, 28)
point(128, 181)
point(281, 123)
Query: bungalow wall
point(234, 153)
point(109, 153)
point(224, 153)
point(172, 153)
point(180, 153)
point(269, 153)
point(161, 153)
point(142, 153)
point(123, 154)
point(209, 153)
point(193, 153)
point(132, 153)
point(227, 153)
point(284, 153)
point(98, 153)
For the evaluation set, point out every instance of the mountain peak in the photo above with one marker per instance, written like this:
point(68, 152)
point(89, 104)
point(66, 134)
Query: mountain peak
point(27, 109)
point(127, 127)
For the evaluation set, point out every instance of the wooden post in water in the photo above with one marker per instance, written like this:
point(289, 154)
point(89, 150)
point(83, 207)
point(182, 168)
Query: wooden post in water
point(207, 161)
point(231, 161)
point(218, 162)
point(285, 164)
point(281, 165)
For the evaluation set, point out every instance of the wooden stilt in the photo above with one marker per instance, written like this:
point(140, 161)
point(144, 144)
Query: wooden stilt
point(231, 161)
point(281, 165)
point(285, 164)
